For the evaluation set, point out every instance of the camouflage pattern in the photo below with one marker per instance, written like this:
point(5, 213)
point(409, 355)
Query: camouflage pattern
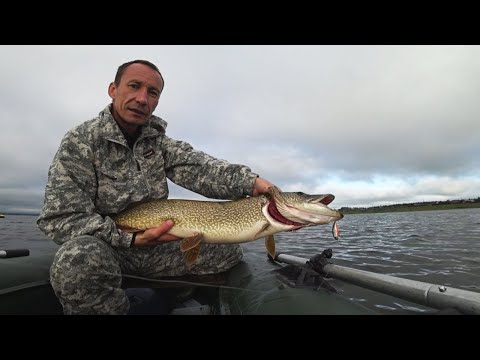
point(86, 272)
point(94, 175)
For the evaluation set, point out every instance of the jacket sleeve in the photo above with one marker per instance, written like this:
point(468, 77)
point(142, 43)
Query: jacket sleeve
point(69, 209)
point(205, 174)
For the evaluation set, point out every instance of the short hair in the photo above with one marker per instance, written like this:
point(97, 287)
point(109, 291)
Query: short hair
point(121, 69)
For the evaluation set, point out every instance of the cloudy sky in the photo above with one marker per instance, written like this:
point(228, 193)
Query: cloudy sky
point(370, 124)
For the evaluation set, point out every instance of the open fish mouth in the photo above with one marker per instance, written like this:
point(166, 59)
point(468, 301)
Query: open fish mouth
point(275, 214)
point(297, 209)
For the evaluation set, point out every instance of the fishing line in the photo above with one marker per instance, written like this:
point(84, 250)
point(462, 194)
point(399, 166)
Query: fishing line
point(137, 277)
point(324, 279)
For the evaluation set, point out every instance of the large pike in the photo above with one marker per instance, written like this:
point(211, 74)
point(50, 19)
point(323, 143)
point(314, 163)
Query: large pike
point(231, 222)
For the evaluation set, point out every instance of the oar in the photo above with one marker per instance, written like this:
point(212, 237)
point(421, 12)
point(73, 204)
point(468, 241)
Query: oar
point(10, 253)
point(431, 295)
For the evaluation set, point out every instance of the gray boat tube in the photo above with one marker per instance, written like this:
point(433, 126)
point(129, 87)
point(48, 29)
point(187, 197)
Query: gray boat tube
point(431, 295)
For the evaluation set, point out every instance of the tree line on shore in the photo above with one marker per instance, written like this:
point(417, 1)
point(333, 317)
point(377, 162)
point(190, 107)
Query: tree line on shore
point(424, 205)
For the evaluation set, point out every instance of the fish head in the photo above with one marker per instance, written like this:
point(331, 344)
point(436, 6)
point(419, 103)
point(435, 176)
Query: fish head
point(300, 209)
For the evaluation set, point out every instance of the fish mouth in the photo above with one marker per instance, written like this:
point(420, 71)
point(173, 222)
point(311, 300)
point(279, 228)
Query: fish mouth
point(297, 209)
point(275, 214)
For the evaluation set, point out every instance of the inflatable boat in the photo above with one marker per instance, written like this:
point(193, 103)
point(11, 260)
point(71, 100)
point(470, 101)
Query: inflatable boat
point(259, 285)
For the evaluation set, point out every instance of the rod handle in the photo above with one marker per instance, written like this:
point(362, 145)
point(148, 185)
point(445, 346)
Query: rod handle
point(10, 253)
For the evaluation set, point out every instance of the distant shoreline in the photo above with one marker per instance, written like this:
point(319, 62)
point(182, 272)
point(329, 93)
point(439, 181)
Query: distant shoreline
point(412, 207)
point(423, 206)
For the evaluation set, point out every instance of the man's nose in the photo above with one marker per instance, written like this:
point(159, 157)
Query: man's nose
point(142, 95)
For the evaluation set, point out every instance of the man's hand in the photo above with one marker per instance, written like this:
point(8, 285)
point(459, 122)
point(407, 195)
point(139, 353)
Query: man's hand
point(156, 235)
point(261, 186)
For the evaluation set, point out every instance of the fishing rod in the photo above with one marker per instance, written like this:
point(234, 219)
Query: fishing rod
point(10, 253)
point(435, 296)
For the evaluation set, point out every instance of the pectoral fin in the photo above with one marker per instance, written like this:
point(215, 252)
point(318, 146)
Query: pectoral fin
point(270, 245)
point(190, 242)
point(264, 228)
point(191, 255)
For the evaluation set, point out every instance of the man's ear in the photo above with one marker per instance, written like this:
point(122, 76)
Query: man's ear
point(112, 90)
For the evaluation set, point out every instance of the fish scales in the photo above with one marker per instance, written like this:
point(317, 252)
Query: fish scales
point(230, 222)
point(211, 218)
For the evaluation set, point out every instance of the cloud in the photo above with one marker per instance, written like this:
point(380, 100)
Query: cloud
point(389, 190)
point(371, 124)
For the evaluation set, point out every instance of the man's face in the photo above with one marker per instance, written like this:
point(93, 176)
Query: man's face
point(136, 97)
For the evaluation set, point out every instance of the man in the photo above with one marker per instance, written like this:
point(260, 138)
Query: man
point(106, 164)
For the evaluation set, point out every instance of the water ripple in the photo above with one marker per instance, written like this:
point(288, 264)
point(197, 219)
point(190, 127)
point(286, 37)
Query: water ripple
point(438, 247)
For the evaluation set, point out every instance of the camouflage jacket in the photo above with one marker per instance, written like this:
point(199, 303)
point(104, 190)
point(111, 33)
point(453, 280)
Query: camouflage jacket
point(95, 174)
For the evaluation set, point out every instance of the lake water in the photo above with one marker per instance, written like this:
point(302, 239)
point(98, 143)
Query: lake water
point(440, 247)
